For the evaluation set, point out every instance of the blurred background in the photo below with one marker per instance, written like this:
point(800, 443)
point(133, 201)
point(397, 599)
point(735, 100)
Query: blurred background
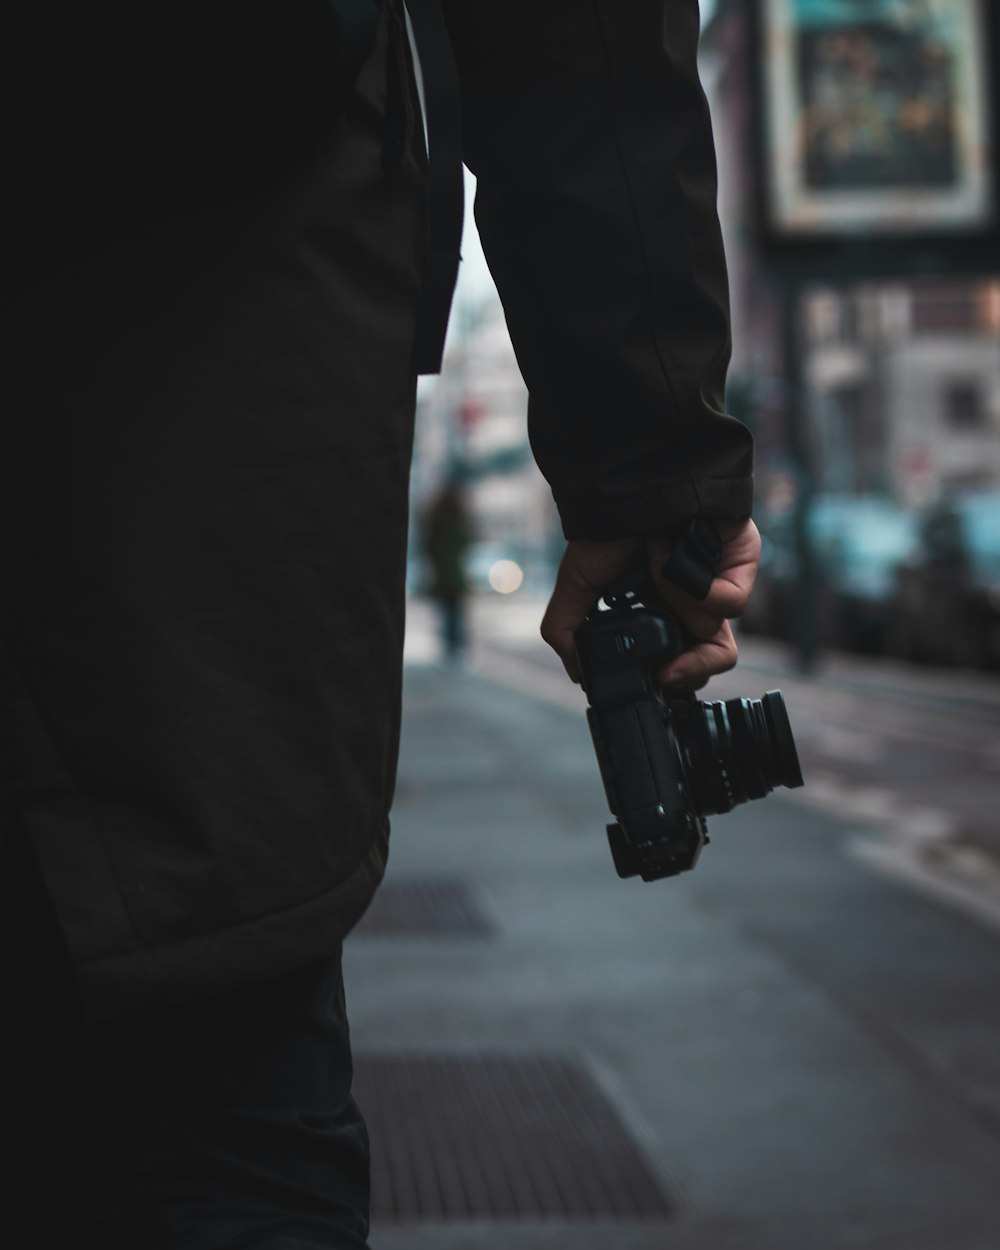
point(796, 1046)
point(858, 201)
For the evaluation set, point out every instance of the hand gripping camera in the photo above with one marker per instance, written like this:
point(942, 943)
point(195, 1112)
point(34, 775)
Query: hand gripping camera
point(668, 762)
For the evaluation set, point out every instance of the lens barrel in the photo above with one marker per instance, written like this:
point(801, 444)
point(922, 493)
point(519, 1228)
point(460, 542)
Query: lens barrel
point(741, 749)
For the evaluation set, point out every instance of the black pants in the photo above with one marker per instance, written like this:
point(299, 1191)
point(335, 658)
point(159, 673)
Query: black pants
point(218, 1125)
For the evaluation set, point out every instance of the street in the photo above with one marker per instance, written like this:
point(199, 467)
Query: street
point(793, 1047)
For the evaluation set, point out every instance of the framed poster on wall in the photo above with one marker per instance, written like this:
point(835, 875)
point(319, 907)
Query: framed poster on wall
point(877, 118)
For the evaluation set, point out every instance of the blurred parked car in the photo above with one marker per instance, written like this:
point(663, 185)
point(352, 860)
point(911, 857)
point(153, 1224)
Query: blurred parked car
point(946, 603)
point(857, 542)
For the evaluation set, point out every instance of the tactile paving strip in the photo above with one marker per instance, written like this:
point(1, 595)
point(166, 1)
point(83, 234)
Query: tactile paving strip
point(498, 1137)
point(424, 905)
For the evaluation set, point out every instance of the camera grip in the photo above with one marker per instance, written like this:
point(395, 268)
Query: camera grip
point(642, 780)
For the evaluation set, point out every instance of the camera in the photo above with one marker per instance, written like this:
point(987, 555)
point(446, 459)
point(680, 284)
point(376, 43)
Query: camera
point(669, 761)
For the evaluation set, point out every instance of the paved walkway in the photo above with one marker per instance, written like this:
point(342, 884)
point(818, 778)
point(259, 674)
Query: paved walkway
point(791, 1052)
point(909, 750)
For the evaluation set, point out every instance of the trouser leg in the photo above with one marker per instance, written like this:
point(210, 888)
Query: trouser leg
point(215, 1125)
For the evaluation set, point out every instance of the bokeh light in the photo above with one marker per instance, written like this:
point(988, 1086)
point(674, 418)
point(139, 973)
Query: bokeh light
point(506, 576)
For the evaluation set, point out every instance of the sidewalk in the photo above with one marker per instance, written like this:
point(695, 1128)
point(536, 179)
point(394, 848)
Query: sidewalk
point(553, 1058)
point(913, 752)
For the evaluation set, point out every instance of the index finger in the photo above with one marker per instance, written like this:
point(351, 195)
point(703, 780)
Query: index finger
point(705, 659)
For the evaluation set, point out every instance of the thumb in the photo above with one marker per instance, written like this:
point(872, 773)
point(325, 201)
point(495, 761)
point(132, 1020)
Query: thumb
point(585, 570)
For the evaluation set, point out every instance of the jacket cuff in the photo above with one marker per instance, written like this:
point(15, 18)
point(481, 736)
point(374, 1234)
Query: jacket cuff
point(659, 511)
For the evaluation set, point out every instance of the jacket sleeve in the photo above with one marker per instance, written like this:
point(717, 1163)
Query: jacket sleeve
point(588, 131)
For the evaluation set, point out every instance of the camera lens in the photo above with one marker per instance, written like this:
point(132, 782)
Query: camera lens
point(740, 750)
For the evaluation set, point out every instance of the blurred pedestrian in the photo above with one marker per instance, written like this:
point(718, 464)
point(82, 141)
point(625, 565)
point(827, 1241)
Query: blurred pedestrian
point(229, 256)
point(447, 534)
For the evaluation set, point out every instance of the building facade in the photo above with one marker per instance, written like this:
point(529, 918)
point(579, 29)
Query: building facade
point(898, 388)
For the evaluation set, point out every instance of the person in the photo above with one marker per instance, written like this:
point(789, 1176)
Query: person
point(447, 533)
point(230, 254)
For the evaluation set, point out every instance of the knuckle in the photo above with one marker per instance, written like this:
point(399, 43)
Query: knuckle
point(550, 633)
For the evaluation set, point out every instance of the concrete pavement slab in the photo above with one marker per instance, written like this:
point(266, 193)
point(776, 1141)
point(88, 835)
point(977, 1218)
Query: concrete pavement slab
point(733, 1017)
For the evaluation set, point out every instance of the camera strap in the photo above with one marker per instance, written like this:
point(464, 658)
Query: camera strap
point(694, 556)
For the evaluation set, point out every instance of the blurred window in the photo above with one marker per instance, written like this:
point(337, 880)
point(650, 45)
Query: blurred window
point(849, 327)
point(963, 404)
point(832, 317)
point(944, 311)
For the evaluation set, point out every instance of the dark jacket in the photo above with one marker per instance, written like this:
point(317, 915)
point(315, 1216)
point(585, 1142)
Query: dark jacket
point(589, 134)
point(217, 271)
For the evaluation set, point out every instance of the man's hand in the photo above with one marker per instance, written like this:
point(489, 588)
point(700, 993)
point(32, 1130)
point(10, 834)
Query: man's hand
point(588, 567)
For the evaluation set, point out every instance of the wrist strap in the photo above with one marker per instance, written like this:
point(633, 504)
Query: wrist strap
point(694, 556)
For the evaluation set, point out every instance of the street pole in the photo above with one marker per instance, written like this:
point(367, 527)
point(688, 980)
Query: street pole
point(805, 623)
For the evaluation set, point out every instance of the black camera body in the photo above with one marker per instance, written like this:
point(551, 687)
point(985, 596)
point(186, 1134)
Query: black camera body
point(668, 762)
